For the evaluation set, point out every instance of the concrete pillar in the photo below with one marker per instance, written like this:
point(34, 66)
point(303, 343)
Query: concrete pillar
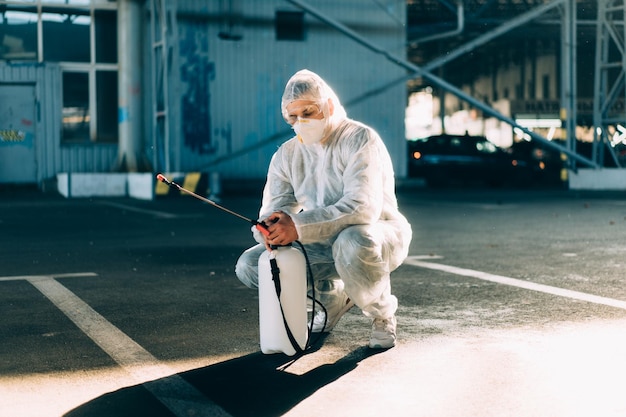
point(129, 50)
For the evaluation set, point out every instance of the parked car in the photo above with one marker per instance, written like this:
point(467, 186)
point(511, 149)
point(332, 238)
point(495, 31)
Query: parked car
point(546, 162)
point(446, 159)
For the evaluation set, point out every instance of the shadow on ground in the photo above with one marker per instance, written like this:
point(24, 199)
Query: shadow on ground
point(253, 385)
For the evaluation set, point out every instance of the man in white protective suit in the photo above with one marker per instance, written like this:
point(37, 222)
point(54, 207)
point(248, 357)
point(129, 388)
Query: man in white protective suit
point(332, 188)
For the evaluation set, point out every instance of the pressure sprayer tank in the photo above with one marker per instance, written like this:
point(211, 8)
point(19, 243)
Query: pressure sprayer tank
point(293, 297)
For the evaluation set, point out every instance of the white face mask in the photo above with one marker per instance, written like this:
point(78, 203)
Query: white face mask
point(309, 131)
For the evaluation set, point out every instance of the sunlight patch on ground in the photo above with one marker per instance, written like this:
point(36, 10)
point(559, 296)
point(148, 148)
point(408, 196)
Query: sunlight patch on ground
point(54, 394)
point(567, 370)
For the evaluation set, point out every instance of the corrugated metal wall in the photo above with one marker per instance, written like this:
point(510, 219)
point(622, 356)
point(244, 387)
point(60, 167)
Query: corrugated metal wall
point(228, 91)
point(51, 156)
point(237, 84)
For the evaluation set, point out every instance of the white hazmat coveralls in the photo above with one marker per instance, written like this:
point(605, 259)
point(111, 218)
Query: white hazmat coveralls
point(340, 194)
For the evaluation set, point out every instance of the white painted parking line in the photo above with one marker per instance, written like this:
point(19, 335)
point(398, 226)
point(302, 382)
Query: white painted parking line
point(180, 397)
point(576, 295)
point(27, 277)
point(155, 213)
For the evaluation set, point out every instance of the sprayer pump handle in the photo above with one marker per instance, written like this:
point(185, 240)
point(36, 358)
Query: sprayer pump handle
point(262, 227)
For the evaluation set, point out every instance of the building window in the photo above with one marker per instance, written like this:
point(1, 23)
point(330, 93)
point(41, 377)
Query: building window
point(106, 100)
point(60, 25)
point(106, 25)
point(289, 25)
point(18, 32)
point(75, 119)
point(81, 36)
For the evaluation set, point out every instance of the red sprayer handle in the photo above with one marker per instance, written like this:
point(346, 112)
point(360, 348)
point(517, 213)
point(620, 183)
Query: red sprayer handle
point(261, 227)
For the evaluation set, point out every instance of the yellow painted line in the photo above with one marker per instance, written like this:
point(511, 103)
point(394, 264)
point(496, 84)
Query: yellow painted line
point(191, 181)
point(161, 188)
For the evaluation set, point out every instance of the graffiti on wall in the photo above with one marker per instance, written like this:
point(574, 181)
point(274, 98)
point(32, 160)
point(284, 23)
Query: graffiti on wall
point(196, 72)
point(12, 135)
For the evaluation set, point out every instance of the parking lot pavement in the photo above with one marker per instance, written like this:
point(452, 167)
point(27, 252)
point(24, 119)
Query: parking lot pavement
point(512, 303)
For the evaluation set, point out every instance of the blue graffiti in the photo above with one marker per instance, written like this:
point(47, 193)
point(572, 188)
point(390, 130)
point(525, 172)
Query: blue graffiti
point(196, 73)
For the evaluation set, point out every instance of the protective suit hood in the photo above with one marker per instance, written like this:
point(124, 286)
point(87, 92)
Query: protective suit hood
point(307, 85)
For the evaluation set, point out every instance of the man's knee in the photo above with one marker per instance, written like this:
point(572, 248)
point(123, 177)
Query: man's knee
point(247, 268)
point(247, 274)
point(353, 242)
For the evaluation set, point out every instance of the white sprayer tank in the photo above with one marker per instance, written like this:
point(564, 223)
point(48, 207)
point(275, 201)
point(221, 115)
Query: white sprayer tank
point(293, 297)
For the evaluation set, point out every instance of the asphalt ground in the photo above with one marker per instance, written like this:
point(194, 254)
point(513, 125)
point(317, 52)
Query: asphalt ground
point(512, 303)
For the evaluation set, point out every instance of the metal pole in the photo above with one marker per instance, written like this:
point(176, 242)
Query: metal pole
point(568, 82)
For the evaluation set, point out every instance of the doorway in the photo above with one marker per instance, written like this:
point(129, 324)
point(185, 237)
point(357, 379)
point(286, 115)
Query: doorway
point(18, 162)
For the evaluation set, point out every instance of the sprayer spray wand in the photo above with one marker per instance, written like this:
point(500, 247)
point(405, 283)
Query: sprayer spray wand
point(261, 227)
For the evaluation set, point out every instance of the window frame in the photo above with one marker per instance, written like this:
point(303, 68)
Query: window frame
point(91, 68)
